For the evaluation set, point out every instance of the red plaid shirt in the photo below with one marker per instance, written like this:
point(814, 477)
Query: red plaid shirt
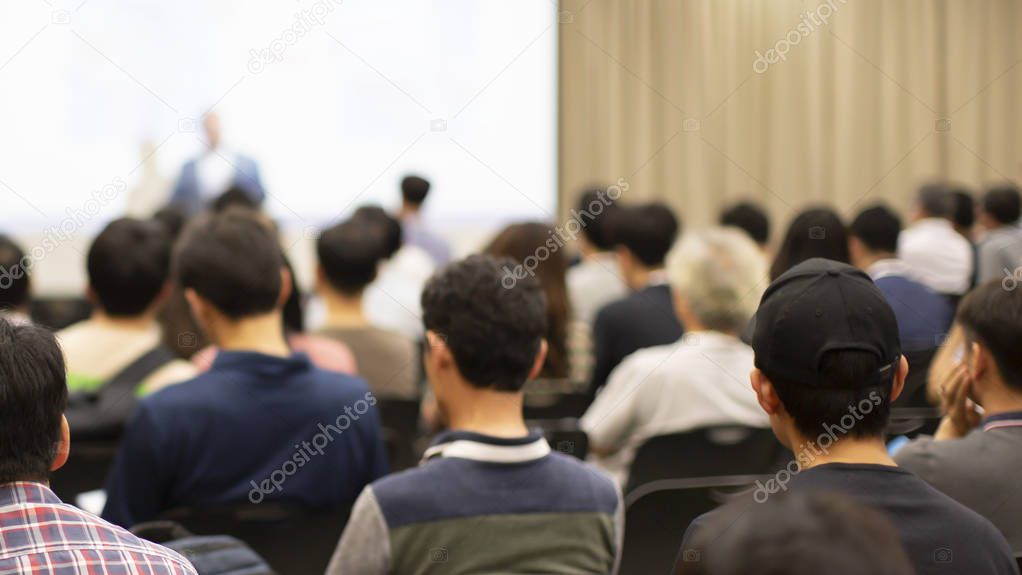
point(40, 534)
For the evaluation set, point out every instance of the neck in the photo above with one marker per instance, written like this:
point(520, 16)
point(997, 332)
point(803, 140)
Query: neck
point(488, 412)
point(136, 322)
point(848, 450)
point(261, 334)
point(640, 277)
point(409, 210)
point(1002, 400)
point(343, 310)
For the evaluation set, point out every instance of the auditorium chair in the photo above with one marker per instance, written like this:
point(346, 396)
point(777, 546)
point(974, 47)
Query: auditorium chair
point(399, 422)
point(87, 467)
point(658, 513)
point(563, 435)
point(554, 399)
point(913, 421)
point(707, 452)
point(293, 541)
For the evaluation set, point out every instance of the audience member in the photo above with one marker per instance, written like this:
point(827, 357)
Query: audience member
point(814, 233)
point(924, 316)
point(796, 534)
point(1000, 249)
point(828, 367)
point(128, 267)
point(645, 317)
point(524, 243)
point(348, 257)
point(974, 458)
point(699, 380)
point(490, 496)
point(939, 256)
point(751, 219)
point(41, 534)
point(392, 300)
point(964, 217)
point(15, 285)
point(596, 280)
point(414, 190)
point(240, 431)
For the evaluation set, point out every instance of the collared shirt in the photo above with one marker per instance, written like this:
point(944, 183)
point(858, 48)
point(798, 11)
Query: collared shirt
point(923, 315)
point(938, 255)
point(1000, 254)
point(1002, 421)
point(40, 534)
point(483, 504)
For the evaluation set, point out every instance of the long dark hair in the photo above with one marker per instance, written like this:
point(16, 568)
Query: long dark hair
point(814, 233)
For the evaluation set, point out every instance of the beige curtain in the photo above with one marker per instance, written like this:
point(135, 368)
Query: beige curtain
point(873, 98)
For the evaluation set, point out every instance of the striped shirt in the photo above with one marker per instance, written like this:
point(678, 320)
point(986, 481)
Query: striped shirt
point(41, 535)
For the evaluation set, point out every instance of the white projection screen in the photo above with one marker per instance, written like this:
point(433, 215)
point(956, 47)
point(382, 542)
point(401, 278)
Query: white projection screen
point(101, 100)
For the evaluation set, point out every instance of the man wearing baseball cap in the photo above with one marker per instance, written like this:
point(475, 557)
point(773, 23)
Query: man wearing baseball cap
point(828, 365)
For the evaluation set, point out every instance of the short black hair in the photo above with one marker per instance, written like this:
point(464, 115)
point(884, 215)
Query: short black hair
point(173, 220)
point(851, 382)
point(414, 189)
point(348, 255)
point(936, 200)
point(232, 260)
point(796, 534)
point(598, 214)
point(494, 327)
point(129, 264)
point(877, 228)
point(1003, 203)
point(648, 232)
point(750, 218)
point(992, 316)
point(965, 208)
point(234, 197)
point(33, 396)
point(14, 282)
point(386, 226)
point(814, 233)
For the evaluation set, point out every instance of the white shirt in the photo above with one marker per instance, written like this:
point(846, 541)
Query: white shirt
point(594, 283)
point(215, 173)
point(698, 381)
point(939, 257)
point(393, 301)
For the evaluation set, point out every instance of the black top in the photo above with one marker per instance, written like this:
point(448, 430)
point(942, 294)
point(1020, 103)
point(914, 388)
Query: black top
point(641, 319)
point(940, 535)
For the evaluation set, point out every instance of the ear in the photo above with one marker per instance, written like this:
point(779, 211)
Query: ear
point(977, 361)
point(90, 295)
point(537, 364)
point(63, 446)
point(765, 393)
point(437, 351)
point(195, 303)
point(899, 379)
point(285, 287)
point(854, 247)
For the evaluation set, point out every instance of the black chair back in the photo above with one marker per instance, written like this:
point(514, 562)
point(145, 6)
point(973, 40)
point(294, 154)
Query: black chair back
point(913, 421)
point(399, 420)
point(707, 452)
point(292, 541)
point(914, 394)
point(87, 467)
point(1018, 559)
point(540, 405)
point(563, 435)
point(657, 515)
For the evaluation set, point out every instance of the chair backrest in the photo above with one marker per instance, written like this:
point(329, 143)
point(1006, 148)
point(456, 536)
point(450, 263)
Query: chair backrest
point(707, 452)
point(87, 467)
point(658, 513)
point(914, 394)
point(1018, 559)
point(541, 405)
point(291, 540)
point(564, 435)
point(913, 421)
point(399, 420)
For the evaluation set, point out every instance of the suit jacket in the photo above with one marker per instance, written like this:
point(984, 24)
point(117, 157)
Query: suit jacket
point(188, 197)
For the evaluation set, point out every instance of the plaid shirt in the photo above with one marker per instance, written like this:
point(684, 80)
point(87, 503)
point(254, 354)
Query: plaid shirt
point(40, 534)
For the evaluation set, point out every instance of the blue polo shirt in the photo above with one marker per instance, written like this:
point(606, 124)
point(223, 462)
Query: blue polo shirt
point(253, 428)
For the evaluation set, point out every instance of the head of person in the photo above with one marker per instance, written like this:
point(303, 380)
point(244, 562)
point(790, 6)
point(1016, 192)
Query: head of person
point(814, 233)
point(828, 360)
point(34, 436)
point(873, 235)
point(348, 255)
point(129, 268)
point(796, 534)
point(231, 269)
point(717, 276)
point(15, 288)
point(385, 226)
point(538, 252)
point(934, 200)
point(964, 217)
point(644, 236)
point(991, 319)
point(751, 219)
point(484, 336)
point(234, 197)
point(1001, 206)
point(173, 220)
point(211, 126)
point(414, 190)
point(597, 212)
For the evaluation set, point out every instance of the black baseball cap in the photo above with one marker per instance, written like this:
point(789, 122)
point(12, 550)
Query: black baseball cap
point(819, 306)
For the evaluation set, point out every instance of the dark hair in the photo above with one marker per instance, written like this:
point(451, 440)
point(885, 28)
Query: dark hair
point(851, 379)
point(414, 189)
point(234, 197)
point(1003, 203)
point(386, 226)
point(648, 232)
point(796, 534)
point(173, 220)
point(877, 228)
point(233, 261)
point(348, 255)
point(750, 218)
point(525, 243)
point(598, 228)
point(14, 282)
point(814, 233)
point(936, 200)
point(294, 310)
point(492, 328)
point(129, 264)
point(992, 316)
point(965, 209)
point(33, 396)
